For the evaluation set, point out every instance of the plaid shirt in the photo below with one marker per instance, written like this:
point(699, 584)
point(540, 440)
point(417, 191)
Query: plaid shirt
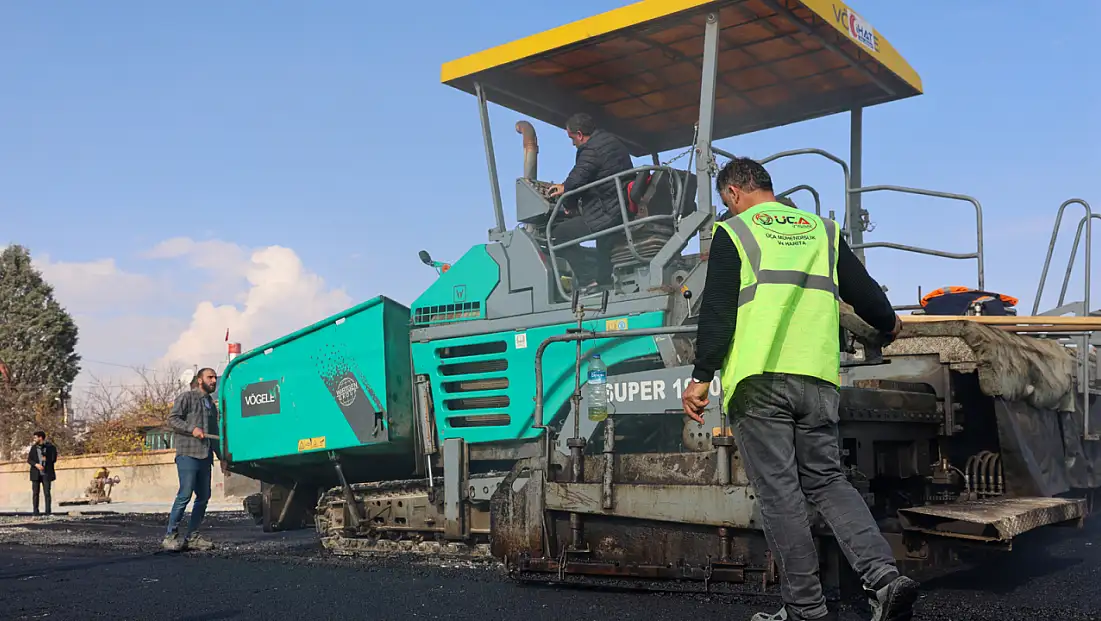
point(192, 409)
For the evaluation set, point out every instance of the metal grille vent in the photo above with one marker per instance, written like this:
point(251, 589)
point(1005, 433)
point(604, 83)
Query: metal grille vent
point(446, 313)
point(476, 390)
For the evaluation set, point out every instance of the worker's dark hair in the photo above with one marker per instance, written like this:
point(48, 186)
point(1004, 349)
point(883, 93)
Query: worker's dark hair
point(744, 174)
point(40, 434)
point(198, 374)
point(581, 122)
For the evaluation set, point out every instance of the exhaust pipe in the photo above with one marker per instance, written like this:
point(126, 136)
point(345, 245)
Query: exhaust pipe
point(531, 150)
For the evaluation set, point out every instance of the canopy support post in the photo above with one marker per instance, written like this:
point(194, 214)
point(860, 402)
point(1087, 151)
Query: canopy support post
point(491, 163)
point(704, 157)
point(855, 217)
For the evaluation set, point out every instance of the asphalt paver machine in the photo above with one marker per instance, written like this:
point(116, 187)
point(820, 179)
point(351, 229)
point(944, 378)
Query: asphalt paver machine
point(456, 425)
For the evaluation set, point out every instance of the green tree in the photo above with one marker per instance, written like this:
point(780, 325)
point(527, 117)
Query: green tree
point(37, 343)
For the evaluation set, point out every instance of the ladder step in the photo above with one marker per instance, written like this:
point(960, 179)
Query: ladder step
point(992, 520)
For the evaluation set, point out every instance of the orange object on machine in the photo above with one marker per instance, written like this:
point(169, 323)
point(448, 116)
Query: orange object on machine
point(961, 301)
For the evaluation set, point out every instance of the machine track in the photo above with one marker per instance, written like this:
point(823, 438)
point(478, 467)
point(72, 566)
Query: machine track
point(399, 517)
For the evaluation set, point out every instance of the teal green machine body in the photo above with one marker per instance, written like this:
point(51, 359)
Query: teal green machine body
point(345, 385)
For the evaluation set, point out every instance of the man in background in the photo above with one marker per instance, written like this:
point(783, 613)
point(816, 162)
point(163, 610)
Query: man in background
point(42, 456)
point(599, 155)
point(194, 415)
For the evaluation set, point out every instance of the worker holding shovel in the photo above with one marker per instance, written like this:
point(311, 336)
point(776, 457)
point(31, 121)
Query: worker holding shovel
point(194, 418)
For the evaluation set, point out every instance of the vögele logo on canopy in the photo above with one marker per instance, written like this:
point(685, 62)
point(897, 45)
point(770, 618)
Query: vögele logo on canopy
point(856, 27)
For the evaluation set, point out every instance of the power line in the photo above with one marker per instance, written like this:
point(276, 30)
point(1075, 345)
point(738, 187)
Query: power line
point(82, 385)
point(112, 364)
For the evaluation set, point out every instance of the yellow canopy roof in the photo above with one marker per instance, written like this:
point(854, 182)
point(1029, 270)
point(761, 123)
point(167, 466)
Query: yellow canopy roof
point(636, 69)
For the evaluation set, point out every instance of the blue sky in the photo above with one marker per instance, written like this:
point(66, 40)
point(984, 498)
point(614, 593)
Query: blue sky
point(325, 131)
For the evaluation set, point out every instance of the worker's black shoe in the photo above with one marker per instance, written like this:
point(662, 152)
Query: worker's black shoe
point(895, 601)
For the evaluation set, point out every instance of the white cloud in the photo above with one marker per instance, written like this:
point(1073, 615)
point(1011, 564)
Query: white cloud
point(95, 286)
point(282, 296)
point(214, 254)
point(178, 308)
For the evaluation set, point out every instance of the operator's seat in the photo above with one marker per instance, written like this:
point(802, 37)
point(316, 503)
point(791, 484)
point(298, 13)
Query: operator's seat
point(651, 194)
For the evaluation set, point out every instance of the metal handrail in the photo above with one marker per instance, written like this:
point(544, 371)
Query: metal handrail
point(1051, 250)
point(1084, 346)
point(627, 224)
point(978, 254)
point(847, 224)
point(1086, 223)
point(811, 191)
point(586, 335)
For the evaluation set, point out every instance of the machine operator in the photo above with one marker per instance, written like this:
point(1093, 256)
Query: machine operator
point(599, 155)
point(772, 333)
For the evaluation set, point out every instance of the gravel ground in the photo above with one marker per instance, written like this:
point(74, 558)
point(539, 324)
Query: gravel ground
point(97, 567)
point(120, 507)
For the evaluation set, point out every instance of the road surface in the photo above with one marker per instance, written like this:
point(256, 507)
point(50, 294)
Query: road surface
point(111, 567)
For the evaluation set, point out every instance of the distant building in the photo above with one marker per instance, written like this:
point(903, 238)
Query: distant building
point(79, 427)
point(158, 438)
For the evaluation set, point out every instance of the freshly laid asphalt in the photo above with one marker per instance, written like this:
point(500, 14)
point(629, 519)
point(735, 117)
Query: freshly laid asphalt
point(111, 567)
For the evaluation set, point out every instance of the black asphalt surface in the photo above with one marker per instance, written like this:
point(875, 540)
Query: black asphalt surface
point(111, 567)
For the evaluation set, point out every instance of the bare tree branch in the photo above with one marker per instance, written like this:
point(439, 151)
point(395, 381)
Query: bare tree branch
point(117, 414)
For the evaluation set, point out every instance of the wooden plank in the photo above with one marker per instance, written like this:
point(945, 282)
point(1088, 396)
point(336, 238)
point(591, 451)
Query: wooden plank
point(1045, 329)
point(1082, 323)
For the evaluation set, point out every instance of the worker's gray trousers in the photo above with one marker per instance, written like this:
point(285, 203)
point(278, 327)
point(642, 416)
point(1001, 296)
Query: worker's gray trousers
point(786, 429)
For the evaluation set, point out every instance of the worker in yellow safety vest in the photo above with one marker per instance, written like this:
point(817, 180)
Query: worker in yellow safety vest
point(768, 324)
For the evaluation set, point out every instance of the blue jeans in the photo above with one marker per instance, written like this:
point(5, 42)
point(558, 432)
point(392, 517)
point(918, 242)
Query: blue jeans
point(194, 479)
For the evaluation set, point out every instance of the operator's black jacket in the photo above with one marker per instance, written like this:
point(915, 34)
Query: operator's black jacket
point(601, 156)
point(49, 453)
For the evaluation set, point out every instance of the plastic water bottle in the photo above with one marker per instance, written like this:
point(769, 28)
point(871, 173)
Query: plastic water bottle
point(597, 390)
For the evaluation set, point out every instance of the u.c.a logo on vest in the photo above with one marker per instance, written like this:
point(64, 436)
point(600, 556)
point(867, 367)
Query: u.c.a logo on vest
point(786, 228)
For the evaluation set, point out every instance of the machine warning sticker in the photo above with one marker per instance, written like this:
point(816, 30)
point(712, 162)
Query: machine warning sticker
point(311, 444)
point(460, 293)
point(260, 399)
point(521, 340)
point(615, 325)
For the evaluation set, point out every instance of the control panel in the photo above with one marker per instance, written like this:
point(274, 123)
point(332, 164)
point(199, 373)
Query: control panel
point(533, 201)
